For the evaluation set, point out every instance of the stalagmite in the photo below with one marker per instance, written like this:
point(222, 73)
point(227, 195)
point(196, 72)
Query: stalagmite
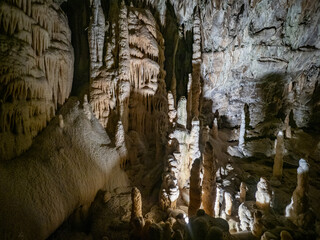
point(209, 180)
point(61, 122)
point(243, 192)
point(204, 137)
point(182, 112)
point(87, 107)
point(285, 235)
point(258, 227)
point(287, 126)
point(217, 203)
point(121, 144)
point(263, 194)
point(172, 113)
point(136, 208)
point(228, 203)
point(195, 188)
point(169, 189)
point(214, 131)
point(278, 159)
point(298, 210)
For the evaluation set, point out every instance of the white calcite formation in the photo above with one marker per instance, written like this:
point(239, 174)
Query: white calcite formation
point(36, 70)
point(134, 90)
point(121, 144)
point(263, 194)
point(298, 210)
point(169, 189)
point(278, 159)
point(172, 112)
point(194, 140)
point(182, 115)
point(56, 177)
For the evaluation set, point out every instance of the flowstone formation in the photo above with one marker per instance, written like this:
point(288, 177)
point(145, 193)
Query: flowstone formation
point(36, 70)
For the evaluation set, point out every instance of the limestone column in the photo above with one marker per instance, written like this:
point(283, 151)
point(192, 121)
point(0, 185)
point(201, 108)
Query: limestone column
point(209, 180)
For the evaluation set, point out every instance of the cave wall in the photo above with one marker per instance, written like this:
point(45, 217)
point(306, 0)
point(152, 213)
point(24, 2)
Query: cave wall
point(36, 70)
point(264, 54)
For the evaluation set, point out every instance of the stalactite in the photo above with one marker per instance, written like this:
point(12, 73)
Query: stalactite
point(40, 39)
point(196, 66)
point(96, 34)
point(37, 73)
point(13, 19)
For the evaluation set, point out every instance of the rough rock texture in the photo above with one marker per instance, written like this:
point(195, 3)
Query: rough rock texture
point(209, 180)
point(58, 174)
point(195, 188)
point(254, 51)
point(36, 70)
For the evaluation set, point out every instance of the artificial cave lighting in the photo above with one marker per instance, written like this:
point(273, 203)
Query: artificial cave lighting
point(159, 119)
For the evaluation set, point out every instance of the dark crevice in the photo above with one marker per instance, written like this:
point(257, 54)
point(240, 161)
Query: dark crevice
point(78, 13)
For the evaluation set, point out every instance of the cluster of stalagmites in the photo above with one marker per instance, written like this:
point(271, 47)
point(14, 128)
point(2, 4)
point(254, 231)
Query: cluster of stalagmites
point(258, 216)
point(200, 226)
point(36, 70)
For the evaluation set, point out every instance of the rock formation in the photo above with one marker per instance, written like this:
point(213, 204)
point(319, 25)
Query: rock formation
point(263, 194)
point(298, 210)
point(209, 180)
point(278, 159)
point(181, 99)
point(195, 188)
point(243, 192)
point(36, 70)
point(136, 210)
